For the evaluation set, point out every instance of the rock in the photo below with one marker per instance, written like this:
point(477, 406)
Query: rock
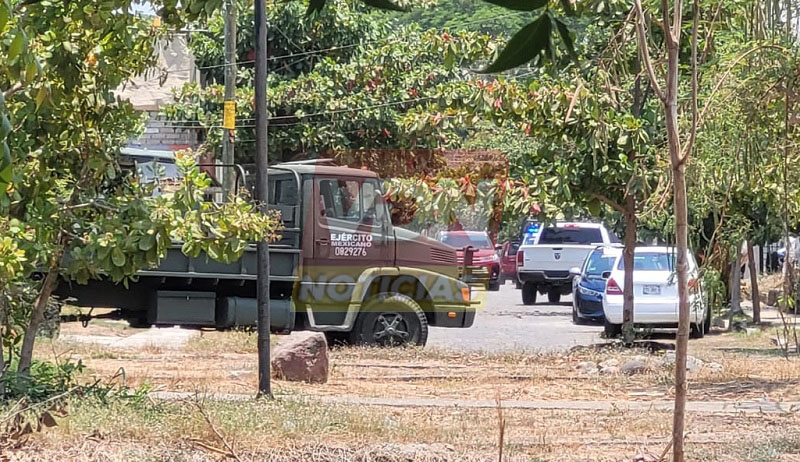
point(634, 366)
point(692, 364)
point(774, 296)
point(738, 326)
point(305, 360)
point(720, 322)
point(752, 331)
point(587, 367)
point(609, 370)
point(613, 362)
point(716, 368)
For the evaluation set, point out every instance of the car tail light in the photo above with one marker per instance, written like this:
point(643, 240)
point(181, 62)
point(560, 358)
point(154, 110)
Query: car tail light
point(692, 285)
point(520, 257)
point(612, 288)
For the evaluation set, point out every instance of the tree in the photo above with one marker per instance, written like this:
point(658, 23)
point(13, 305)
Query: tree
point(335, 95)
point(69, 208)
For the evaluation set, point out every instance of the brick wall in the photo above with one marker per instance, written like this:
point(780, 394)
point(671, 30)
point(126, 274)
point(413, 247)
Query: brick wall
point(162, 134)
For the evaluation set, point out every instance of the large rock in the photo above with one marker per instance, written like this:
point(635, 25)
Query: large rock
point(302, 360)
point(692, 364)
point(587, 367)
point(636, 365)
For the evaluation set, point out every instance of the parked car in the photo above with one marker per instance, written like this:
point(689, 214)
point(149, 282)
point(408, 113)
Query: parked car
point(485, 258)
point(655, 292)
point(544, 265)
point(589, 283)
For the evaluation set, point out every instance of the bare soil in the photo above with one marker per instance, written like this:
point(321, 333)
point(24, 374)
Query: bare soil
point(296, 427)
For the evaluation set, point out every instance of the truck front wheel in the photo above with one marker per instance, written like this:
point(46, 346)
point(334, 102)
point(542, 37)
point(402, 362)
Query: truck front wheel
point(529, 293)
point(390, 320)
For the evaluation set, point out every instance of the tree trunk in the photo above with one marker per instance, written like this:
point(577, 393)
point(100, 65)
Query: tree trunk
point(736, 282)
point(37, 316)
point(681, 228)
point(755, 295)
point(628, 333)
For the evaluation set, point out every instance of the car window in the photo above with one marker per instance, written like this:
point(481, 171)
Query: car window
point(651, 261)
point(351, 200)
point(566, 235)
point(283, 191)
point(599, 262)
point(459, 241)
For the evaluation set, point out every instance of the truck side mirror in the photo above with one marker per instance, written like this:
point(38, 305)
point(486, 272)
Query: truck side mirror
point(606, 275)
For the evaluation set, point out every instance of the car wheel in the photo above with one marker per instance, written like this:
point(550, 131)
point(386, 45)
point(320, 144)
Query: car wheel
point(390, 320)
point(611, 330)
point(528, 294)
point(554, 296)
point(494, 286)
point(576, 319)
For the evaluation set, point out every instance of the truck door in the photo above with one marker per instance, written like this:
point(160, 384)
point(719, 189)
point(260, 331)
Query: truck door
point(351, 233)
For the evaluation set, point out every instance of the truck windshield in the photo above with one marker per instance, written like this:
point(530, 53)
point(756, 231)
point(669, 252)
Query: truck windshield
point(560, 235)
point(459, 241)
point(599, 262)
point(651, 261)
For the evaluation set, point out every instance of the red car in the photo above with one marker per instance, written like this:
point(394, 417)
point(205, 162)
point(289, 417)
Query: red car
point(508, 262)
point(485, 256)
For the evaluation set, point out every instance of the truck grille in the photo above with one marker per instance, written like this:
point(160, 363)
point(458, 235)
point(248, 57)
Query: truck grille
point(443, 257)
point(557, 274)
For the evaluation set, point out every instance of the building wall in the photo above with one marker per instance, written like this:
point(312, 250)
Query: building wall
point(161, 134)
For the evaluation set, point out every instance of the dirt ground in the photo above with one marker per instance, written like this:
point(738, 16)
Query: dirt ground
point(301, 425)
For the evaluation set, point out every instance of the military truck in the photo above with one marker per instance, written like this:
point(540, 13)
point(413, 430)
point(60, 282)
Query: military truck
point(340, 267)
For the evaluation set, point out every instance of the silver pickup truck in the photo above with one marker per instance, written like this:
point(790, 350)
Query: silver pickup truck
point(544, 265)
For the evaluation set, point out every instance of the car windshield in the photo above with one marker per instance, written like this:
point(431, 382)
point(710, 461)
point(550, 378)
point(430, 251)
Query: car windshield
point(651, 261)
point(479, 241)
point(599, 262)
point(568, 235)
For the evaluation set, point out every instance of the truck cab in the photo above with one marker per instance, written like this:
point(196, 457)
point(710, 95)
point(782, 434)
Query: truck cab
point(340, 267)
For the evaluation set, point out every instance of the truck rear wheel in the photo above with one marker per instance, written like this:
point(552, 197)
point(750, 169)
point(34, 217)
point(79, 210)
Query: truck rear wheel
point(390, 320)
point(528, 294)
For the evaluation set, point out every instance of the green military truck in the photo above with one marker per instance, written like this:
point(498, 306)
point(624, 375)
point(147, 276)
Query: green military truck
point(340, 267)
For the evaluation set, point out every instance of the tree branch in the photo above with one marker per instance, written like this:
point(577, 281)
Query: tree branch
point(687, 148)
point(644, 52)
point(12, 91)
point(602, 198)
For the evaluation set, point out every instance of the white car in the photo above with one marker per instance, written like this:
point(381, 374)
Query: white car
point(655, 293)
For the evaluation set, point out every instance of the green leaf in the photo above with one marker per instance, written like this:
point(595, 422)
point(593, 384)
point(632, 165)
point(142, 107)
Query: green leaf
point(5, 126)
point(117, 257)
point(315, 6)
point(16, 47)
point(385, 5)
point(41, 95)
point(31, 71)
point(524, 46)
point(520, 5)
point(147, 242)
point(563, 31)
point(5, 14)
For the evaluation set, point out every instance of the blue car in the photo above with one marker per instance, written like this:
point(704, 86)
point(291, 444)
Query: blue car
point(588, 284)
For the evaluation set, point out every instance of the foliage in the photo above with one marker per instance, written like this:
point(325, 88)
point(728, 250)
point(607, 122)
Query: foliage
point(352, 99)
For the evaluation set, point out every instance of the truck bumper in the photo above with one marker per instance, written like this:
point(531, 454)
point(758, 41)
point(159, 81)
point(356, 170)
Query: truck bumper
point(454, 316)
point(552, 278)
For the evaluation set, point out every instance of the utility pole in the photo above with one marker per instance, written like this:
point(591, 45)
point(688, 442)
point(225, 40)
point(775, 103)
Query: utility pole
point(262, 156)
point(229, 119)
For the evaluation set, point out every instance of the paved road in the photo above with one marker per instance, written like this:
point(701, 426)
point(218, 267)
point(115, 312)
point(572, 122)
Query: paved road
point(505, 324)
